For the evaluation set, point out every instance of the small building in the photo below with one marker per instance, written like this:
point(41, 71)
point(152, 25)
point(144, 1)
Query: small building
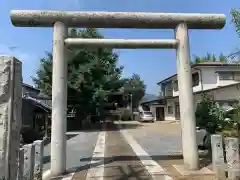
point(35, 113)
point(220, 80)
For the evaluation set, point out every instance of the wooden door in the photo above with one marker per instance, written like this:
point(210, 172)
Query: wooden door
point(160, 113)
point(177, 111)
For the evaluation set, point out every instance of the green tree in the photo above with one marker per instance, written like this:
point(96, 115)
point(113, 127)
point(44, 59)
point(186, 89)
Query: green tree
point(208, 115)
point(236, 20)
point(135, 86)
point(235, 117)
point(92, 74)
point(209, 58)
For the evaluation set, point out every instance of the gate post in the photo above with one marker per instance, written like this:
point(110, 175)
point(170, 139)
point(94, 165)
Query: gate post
point(187, 110)
point(59, 100)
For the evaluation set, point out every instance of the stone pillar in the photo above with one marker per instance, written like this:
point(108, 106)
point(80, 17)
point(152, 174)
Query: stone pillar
point(38, 168)
point(232, 156)
point(11, 116)
point(218, 156)
point(187, 112)
point(59, 101)
point(29, 161)
point(20, 164)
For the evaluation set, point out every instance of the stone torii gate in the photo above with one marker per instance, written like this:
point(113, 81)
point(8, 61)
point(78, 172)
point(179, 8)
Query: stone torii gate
point(61, 20)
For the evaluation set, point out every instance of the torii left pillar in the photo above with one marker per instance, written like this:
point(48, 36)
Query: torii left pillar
point(59, 100)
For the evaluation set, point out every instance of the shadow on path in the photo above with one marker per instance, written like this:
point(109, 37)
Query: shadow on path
point(97, 127)
point(204, 161)
point(107, 160)
point(46, 159)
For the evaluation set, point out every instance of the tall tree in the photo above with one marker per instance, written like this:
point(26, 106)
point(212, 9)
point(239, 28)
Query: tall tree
point(92, 74)
point(235, 57)
point(136, 87)
point(236, 19)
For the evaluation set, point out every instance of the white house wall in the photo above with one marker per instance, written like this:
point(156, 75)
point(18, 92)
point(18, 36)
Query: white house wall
point(221, 94)
point(153, 109)
point(195, 88)
point(226, 82)
point(209, 78)
point(229, 93)
point(170, 102)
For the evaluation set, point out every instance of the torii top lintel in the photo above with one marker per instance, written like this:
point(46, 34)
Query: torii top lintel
point(38, 18)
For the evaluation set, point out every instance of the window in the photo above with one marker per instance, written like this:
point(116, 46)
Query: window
point(237, 76)
point(232, 103)
point(195, 79)
point(169, 89)
point(168, 86)
point(175, 85)
point(226, 75)
point(170, 109)
point(229, 75)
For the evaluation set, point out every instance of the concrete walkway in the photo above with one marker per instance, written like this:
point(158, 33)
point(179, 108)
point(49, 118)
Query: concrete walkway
point(117, 154)
point(79, 145)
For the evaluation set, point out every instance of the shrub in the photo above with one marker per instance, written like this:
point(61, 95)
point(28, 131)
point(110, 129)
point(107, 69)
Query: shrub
point(126, 114)
point(209, 116)
point(235, 118)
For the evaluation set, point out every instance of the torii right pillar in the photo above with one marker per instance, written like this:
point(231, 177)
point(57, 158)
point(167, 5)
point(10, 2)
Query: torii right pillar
point(188, 120)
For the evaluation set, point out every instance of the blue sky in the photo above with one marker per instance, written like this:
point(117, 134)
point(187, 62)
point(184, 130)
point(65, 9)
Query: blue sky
point(151, 65)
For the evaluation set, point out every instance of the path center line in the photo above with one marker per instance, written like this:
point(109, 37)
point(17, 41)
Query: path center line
point(153, 168)
point(96, 170)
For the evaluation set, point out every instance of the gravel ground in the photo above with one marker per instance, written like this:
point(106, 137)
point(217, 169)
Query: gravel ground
point(156, 144)
point(163, 139)
point(159, 138)
point(79, 145)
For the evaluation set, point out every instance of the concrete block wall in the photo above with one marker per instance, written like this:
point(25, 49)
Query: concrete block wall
point(10, 115)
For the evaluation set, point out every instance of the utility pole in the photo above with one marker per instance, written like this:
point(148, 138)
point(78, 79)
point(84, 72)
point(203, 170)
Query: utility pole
point(131, 106)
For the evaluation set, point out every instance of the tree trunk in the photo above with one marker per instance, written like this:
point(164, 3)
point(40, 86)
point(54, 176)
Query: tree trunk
point(238, 130)
point(46, 125)
point(79, 117)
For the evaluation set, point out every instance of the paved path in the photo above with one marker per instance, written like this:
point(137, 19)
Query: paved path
point(120, 160)
point(120, 157)
point(79, 145)
point(156, 144)
point(133, 152)
point(157, 139)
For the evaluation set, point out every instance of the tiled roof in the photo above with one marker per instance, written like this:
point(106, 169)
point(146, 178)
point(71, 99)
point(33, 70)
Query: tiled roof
point(38, 103)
